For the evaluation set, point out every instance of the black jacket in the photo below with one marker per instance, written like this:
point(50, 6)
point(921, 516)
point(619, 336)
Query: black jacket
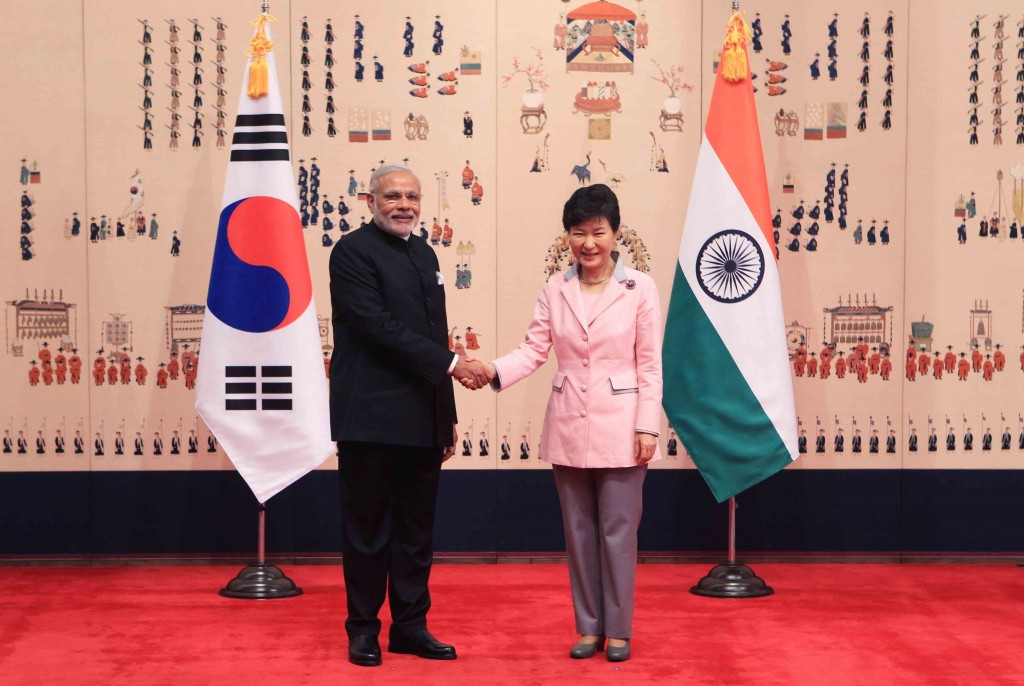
point(389, 381)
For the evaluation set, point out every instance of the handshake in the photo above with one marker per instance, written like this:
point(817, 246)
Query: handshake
point(473, 373)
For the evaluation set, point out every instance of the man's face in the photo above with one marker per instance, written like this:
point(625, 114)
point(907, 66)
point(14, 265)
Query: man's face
point(393, 209)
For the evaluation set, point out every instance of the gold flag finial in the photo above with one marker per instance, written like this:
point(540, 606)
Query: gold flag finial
point(734, 51)
point(259, 46)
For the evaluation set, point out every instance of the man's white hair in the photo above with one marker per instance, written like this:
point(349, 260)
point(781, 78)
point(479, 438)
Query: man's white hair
point(385, 169)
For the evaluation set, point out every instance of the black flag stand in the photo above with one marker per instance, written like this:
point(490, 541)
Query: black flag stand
point(732, 579)
point(259, 580)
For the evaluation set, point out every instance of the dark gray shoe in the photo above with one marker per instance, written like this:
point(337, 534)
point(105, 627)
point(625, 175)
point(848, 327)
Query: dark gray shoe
point(582, 651)
point(618, 654)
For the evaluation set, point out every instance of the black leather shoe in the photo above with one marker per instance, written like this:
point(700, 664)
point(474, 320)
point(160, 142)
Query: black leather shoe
point(421, 644)
point(364, 650)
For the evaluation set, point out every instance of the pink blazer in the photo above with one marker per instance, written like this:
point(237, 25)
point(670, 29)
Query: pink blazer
point(608, 383)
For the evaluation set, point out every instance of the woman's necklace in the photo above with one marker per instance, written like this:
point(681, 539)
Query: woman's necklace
point(594, 283)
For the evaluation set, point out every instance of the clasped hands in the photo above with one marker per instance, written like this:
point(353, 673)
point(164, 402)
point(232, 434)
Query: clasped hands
point(473, 373)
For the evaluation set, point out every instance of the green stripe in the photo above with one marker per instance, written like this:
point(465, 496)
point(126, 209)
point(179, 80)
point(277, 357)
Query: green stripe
point(709, 403)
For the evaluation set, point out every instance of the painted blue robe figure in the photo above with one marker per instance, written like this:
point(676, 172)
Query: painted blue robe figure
point(360, 71)
point(175, 245)
point(833, 26)
point(815, 70)
point(25, 174)
point(833, 70)
point(378, 71)
point(76, 225)
point(154, 228)
point(358, 28)
point(357, 49)
point(352, 185)
point(438, 36)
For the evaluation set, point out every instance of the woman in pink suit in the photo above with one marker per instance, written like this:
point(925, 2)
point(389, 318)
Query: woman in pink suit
point(602, 420)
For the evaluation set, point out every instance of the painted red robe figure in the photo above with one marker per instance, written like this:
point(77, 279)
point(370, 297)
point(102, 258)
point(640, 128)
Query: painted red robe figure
point(950, 360)
point(988, 369)
point(999, 359)
point(874, 362)
point(140, 373)
point(99, 369)
point(800, 361)
point(190, 375)
point(1022, 360)
point(963, 368)
point(327, 365)
point(937, 366)
point(862, 371)
point(812, 366)
point(47, 374)
point(840, 367)
point(435, 234)
point(446, 235)
point(924, 363)
point(60, 367)
point(477, 192)
point(75, 368)
point(45, 357)
point(472, 339)
point(467, 176)
point(862, 350)
point(112, 375)
point(33, 374)
point(911, 370)
point(885, 368)
point(161, 376)
point(173, 367)
point(126, 371)
point(825, 355)
point(911, 351)
point(825, 369)
point(976, 359)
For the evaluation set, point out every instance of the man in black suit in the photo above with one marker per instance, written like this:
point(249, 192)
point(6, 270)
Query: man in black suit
point(392, 415)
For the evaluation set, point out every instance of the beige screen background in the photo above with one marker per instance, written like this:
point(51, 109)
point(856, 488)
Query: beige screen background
point(545, 117)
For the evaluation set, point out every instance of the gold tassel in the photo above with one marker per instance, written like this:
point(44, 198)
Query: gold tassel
point(734, 53)
point(259, 46)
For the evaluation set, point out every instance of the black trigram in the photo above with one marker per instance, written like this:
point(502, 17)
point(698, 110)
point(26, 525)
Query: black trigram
point(259, 138)
point(247, 391)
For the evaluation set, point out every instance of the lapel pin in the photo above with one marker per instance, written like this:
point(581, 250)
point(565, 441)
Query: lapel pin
point(630, 284)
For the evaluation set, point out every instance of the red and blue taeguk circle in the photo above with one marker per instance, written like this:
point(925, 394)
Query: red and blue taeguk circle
point(260, 278)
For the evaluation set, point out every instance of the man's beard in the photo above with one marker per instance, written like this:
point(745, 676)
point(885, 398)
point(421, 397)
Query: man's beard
point(385, 224)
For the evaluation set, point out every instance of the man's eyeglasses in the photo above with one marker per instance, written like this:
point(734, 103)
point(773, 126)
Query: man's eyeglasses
point(393, 197)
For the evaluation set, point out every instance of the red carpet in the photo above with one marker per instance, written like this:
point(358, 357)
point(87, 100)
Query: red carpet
point(512, 624)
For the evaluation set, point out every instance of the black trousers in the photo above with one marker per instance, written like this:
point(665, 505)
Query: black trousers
point(388, 498)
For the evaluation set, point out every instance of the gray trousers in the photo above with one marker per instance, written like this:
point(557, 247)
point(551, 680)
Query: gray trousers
point(601, 511)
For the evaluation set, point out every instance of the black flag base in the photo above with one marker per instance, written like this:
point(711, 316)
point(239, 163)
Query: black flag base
point(732, 580)
point(261, 581)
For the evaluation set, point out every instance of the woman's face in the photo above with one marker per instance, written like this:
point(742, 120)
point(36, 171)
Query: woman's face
point(591, 242)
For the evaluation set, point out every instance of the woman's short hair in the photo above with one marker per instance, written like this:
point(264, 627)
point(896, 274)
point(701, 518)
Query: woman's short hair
point(591, 202)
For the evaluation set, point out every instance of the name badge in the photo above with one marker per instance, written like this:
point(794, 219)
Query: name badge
point(440, 279)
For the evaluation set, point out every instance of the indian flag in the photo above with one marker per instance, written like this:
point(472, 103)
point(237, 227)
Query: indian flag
point(728, 392)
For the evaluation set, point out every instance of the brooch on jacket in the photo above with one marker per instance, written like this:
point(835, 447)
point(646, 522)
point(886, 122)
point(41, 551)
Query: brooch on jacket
point(630, 284)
